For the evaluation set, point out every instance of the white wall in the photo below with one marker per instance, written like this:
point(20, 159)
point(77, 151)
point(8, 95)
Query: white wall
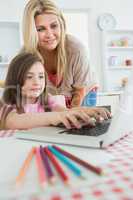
point(122, 10)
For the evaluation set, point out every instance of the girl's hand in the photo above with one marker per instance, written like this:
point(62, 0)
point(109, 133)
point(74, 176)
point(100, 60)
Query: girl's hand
point(71, 118)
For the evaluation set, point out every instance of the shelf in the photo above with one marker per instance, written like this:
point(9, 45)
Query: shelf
point(4, 63)
point(9, 40)
point(117, 53)
point(120, 48)
point(119, 31)
point(10, 44)
point(110, 93)
point(120, 67)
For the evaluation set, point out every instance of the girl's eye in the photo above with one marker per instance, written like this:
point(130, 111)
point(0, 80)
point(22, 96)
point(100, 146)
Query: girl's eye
point(29, 77)
point(40, 29)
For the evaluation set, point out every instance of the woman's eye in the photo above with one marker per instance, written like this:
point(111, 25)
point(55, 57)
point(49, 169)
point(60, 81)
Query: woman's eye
point(54, 26)
point(41, 77)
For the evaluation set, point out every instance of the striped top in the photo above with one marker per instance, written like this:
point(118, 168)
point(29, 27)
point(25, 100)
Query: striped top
point(53, 102)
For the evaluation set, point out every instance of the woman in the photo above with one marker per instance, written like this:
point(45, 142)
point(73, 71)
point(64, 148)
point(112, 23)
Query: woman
point(65, 58)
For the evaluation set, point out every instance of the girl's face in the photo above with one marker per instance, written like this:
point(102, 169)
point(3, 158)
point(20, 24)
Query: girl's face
point(49, 31)
point(34, 83)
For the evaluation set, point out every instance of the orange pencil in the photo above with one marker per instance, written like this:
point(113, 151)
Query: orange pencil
point(25, 166)
point(41, 170)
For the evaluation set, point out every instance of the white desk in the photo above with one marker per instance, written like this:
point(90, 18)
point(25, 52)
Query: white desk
point(15, 152)
point(114, 184)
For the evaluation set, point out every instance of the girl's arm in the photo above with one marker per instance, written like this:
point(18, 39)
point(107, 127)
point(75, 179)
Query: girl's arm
point(32, 120)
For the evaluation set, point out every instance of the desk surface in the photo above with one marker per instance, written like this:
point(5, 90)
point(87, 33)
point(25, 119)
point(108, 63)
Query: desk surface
point(116, 184)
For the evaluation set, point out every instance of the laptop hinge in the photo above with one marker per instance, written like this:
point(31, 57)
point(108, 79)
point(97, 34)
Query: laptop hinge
point(101, 144)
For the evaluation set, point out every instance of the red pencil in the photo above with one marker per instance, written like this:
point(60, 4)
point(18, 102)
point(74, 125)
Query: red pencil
point(56, 164)
point(89, 166)
point(41, 170)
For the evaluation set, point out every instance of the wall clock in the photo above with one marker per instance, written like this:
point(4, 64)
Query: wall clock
point(106, 21)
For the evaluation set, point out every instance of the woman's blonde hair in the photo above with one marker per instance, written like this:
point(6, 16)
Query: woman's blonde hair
point(30, 35)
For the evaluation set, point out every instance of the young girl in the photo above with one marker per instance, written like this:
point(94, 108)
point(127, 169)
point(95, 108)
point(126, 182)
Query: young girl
point(27, 99)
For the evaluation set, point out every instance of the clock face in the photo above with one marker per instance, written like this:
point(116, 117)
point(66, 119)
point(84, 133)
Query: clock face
point(106, 22)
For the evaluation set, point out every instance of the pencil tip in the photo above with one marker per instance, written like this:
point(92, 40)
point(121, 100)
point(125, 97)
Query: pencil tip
point(67, 183)
point(43, 185)
point(82, 177)
point(102, 173)
point(52, 180)
point(17, 184)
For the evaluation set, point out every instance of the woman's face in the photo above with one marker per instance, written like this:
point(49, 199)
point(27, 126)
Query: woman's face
point(49, 31)
point(34, 83)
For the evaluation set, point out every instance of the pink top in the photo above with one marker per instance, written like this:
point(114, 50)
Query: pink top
point(53, 102)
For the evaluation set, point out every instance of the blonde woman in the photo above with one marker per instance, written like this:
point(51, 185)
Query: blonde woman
point(65, 58)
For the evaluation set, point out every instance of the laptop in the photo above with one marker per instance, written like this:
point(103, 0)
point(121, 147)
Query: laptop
point(116, 128)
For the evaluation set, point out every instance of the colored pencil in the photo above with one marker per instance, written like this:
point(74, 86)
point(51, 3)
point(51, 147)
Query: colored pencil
point(41, 170)
point(76, 170)
point(25, 166)
point(56, 164)
point(89, 166)
point(49, 171)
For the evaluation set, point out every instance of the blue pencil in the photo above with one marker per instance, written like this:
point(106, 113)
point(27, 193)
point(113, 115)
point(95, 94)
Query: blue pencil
point(66, 161)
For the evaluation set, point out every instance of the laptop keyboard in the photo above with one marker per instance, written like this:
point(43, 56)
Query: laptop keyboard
point(88, 130)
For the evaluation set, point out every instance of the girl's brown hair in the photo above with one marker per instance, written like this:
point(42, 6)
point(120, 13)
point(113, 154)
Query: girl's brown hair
point(15, 78)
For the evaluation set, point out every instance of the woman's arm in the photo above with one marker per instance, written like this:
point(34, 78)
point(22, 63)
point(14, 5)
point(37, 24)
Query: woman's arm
point(77, 97)
point(81, 78)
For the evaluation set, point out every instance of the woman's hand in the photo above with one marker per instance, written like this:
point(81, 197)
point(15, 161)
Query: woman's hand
point(98, 113)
